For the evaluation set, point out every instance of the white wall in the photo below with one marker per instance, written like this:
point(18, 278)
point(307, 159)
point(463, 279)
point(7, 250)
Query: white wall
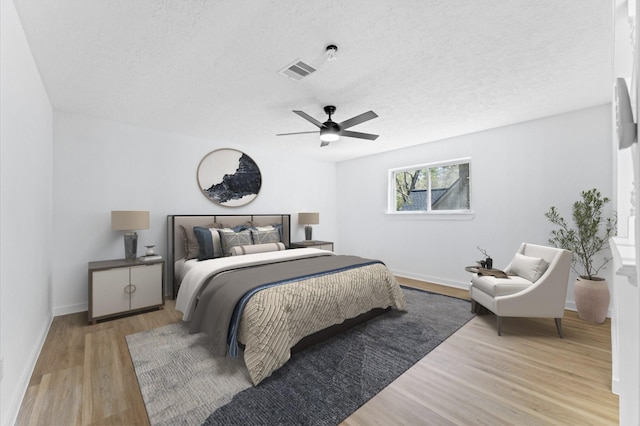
point(625, 320)
point(102, 166)
point(25, 212)
point(517, 173)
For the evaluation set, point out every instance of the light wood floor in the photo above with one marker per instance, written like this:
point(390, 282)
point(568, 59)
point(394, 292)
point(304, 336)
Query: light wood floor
point(528, 376)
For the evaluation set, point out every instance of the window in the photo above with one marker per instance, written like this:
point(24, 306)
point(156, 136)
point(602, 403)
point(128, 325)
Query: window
point(431, 188)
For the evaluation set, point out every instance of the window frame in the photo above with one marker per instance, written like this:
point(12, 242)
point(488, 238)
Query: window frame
point(391, 187)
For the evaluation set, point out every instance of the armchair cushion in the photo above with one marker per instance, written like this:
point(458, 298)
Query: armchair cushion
point(500, 286)
point(527, 267)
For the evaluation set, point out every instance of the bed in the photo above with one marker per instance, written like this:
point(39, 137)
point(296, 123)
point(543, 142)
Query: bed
point(254, 297)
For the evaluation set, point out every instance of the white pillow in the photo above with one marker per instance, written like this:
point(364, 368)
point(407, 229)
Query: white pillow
point(527, 267)
point(264, 228)
point(256, 248)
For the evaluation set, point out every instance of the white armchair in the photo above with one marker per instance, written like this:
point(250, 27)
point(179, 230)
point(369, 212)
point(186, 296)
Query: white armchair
point(536, 286)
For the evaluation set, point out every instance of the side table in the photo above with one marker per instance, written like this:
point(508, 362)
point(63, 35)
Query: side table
point(323, 245)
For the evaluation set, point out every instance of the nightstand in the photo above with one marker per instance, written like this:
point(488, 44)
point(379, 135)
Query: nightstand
point(324, 245)
point(124, 286)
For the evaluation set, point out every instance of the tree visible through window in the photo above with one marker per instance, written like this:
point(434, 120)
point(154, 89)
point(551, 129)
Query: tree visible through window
point(431, 187)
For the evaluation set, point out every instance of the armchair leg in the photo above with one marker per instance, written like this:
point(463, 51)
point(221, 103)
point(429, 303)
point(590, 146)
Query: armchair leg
point(473, 306)
point(499, 325)
point(559, 326)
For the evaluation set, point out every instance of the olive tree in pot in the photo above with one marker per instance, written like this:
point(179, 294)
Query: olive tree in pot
point(588, 237)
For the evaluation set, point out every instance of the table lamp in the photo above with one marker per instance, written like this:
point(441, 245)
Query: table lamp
point(308, 219)
point(129, 221)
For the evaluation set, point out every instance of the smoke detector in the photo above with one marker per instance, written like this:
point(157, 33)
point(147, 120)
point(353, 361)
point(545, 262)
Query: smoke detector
point(331, 52)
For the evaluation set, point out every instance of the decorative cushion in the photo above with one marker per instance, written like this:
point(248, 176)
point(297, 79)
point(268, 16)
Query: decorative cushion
point(191, 246)
point(190, 243)
point(527, 267)
point(230, 238)
point(500, 286)
point(209, 246)
point(265, 234)
point(236, 228)
point(264, 228)
point(256, 248)
point(277, 226)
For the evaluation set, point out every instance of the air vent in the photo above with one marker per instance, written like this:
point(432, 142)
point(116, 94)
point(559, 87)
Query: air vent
point(297, 70)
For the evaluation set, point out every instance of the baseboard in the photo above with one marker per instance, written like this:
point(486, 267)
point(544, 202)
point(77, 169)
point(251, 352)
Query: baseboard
point(615, 386)
point(70, 309)
point(569, 304)
point(25, 377)
point(434, 280)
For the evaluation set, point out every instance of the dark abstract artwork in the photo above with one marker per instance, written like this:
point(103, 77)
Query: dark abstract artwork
point(229, 177)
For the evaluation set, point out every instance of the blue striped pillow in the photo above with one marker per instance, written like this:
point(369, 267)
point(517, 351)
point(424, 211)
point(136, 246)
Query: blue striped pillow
point(208, 243)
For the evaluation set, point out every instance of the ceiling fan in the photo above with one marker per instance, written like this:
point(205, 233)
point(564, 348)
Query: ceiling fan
point(331, 131)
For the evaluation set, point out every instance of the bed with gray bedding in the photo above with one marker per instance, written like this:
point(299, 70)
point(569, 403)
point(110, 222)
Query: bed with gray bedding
point(261, 305)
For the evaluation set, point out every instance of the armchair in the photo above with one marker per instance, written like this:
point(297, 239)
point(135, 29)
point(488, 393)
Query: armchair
point(536, 286)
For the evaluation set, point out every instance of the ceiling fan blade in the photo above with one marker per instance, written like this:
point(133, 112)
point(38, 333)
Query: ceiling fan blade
point(360, 135)
point(365, 116)
point(309, 118)
point(295, 133)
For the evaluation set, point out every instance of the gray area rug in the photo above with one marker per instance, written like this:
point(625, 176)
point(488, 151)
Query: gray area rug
point(182, 383)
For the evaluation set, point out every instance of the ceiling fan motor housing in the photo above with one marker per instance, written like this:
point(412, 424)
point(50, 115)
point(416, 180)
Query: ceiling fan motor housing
point(331, 126)
point(330, 110)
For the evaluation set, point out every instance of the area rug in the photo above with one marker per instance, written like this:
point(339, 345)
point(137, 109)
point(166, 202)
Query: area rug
point(182, 383)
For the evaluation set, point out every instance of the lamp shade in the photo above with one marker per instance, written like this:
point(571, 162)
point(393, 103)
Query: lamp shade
point(129, 220)
point(309, 218)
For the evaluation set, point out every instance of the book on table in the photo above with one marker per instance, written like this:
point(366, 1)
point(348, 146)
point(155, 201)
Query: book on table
point(150, 258)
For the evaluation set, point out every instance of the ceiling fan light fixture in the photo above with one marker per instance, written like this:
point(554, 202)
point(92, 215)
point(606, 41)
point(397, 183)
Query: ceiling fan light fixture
point(329, 134)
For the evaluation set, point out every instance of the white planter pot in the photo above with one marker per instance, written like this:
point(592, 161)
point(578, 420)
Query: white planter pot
point(592, 299)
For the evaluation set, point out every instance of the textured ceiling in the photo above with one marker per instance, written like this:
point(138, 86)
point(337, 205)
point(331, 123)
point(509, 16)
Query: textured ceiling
point(431, 69)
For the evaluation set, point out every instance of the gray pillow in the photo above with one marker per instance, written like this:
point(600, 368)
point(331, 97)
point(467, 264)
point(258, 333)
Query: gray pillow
point(263, 235)
point(191, 246)
point(230, 238)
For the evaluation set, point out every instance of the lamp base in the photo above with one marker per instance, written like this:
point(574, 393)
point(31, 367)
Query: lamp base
point(308, 230)
point(130, 245)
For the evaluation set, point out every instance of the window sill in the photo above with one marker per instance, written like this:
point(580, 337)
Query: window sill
point(448, 215)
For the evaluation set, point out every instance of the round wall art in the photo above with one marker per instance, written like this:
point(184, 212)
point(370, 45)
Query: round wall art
point(229, 177)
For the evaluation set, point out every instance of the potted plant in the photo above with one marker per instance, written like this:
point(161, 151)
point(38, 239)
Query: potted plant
point(488, 261)
point(588, 237)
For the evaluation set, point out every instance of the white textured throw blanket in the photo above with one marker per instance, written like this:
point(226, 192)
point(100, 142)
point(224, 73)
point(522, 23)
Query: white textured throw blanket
point(275, 319)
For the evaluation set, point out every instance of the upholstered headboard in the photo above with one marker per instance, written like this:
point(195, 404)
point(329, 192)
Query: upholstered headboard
point(176, 248)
